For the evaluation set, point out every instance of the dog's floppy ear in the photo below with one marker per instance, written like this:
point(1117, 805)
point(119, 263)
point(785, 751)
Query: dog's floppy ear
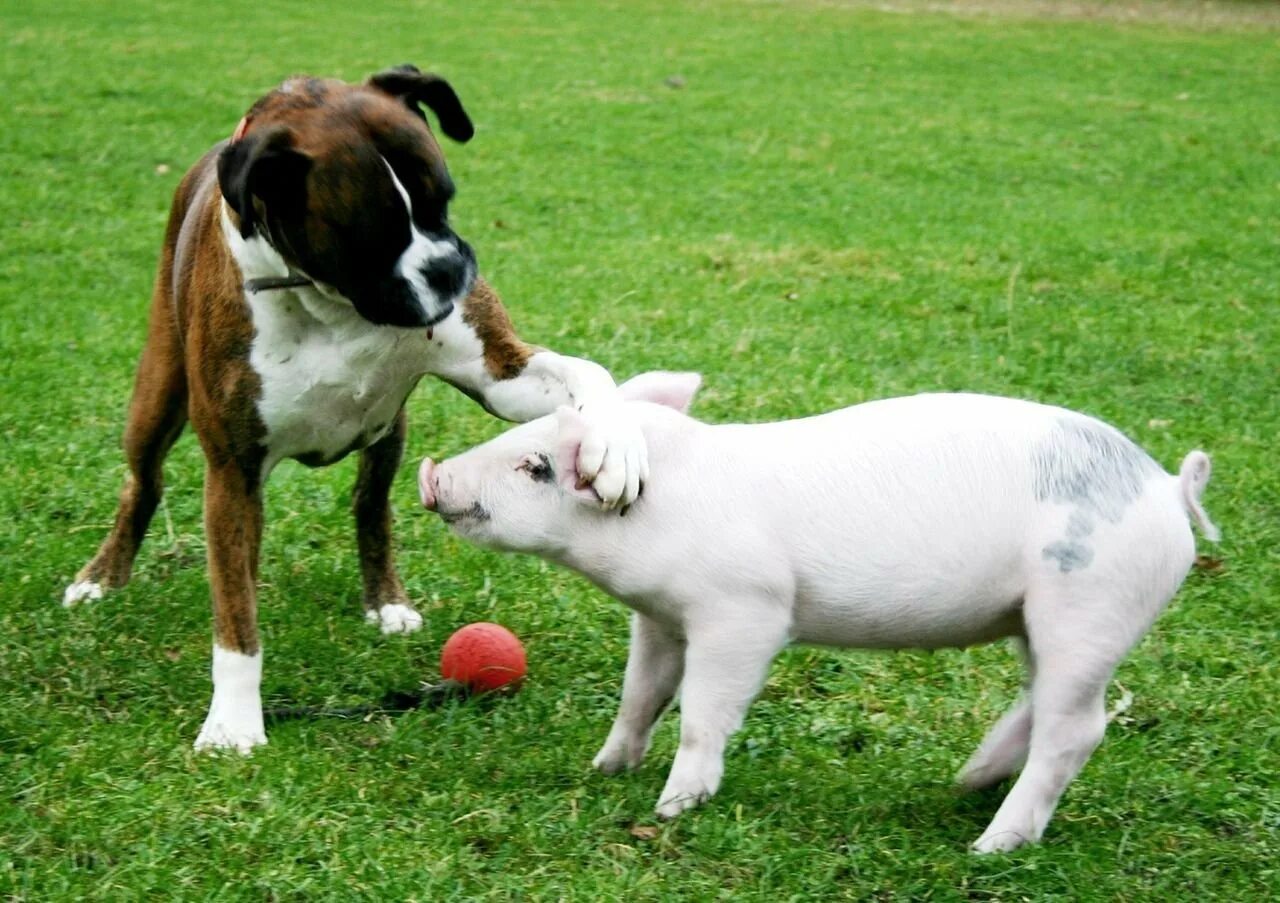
point(413, 86)
point(265, 165)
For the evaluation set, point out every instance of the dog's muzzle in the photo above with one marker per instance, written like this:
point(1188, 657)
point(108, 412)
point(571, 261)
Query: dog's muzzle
point(450, 276)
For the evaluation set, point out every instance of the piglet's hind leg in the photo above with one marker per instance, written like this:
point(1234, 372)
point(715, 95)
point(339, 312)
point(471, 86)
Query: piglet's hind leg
point(1004, 749)
point(1076, 642)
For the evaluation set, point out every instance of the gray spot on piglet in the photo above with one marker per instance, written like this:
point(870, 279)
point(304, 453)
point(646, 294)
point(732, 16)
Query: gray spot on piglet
point(1071, 556)
point(1092, 466)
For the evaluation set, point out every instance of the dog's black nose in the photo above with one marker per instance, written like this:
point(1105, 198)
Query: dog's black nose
point(450, 275)
point(447, 276)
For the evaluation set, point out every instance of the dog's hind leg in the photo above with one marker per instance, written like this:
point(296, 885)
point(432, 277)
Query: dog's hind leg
point(157, 414)
point(385, 601)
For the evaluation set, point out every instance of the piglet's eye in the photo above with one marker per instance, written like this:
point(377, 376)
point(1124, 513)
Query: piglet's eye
point(538, 467)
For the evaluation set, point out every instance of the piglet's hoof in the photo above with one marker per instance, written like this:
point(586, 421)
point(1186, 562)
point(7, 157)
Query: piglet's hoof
point(999, 842)
point(675, 802)
point(610, 761)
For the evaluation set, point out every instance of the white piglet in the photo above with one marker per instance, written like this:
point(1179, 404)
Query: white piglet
point(921, 522)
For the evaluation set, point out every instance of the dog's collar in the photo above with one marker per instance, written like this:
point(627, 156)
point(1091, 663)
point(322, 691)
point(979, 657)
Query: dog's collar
point(266, 283)
point(270, 283)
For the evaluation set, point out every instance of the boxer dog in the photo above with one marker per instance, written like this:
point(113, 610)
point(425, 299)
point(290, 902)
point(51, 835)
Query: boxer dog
point(308, 279)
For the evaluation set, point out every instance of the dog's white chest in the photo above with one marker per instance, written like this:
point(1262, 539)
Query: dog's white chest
point(331, 381)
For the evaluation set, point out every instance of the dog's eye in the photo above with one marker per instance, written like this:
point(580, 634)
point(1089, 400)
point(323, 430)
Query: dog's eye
point(538, 467)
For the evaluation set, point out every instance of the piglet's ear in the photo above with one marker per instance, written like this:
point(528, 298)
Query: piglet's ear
point(675, 390)
point(571, 427)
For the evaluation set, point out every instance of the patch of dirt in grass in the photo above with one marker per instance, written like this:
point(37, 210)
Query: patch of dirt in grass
point(748, 258)
point(1199, 14)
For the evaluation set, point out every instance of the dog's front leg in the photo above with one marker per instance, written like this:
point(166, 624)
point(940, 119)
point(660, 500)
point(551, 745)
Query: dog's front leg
point(385, 601)
point(233, 527)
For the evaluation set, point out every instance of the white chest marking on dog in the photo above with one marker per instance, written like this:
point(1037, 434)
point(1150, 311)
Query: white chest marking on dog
point(235, 714)
point(330, 378)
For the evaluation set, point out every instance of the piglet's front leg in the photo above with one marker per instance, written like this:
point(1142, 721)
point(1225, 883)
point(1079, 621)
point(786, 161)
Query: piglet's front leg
point(655, 665)
point(726, 664)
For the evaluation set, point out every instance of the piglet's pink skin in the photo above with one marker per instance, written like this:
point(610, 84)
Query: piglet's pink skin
point(929, 521)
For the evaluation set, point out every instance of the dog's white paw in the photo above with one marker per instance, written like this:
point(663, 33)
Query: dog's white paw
point(395, 618)
point(235, 714)
point(81, 591)
point(227, 728)
point(234, 721)
point(980, 775)
point(686, 788)
point(622, 751)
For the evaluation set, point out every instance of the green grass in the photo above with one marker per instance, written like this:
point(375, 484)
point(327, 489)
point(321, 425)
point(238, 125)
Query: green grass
point(838, 204)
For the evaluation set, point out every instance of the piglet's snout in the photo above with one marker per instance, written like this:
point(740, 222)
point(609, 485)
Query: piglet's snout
point(427, 484)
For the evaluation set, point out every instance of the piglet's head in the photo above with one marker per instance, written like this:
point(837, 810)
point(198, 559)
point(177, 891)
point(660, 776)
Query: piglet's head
point(522, 491)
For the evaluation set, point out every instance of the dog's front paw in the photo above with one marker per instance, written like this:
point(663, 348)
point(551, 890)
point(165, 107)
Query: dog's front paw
point(82, 591)
point(229, 730)
point(613, 457)
point(394, 617)
point(235, 712)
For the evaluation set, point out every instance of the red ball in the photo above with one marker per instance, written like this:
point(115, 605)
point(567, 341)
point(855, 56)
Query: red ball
point(483, 657)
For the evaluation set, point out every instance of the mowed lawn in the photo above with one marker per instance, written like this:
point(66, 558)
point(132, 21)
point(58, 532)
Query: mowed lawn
point(813, 204)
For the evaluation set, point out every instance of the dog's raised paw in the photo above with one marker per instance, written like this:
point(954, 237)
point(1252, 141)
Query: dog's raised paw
point(81, 591)
point(394, 618)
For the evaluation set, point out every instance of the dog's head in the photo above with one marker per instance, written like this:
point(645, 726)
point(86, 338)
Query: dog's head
point(348, 184)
